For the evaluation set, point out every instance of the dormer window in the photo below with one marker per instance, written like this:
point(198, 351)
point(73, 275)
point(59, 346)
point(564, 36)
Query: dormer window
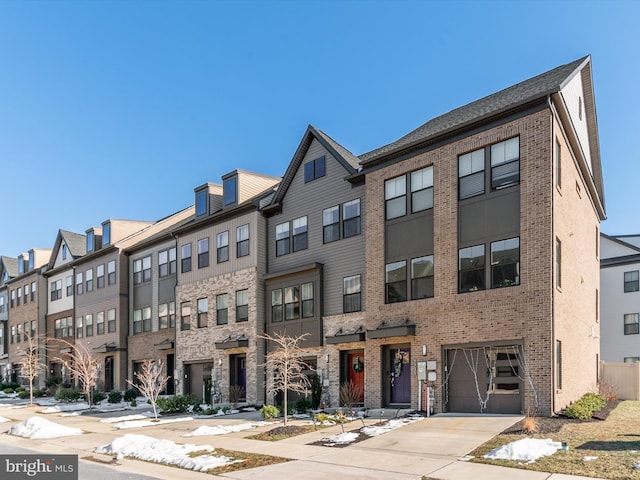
point(106, 234)
point(20, 265)
point(32, 260)
point(64, 252)
point(90, 241)
point(230, 186)
point(201, 202)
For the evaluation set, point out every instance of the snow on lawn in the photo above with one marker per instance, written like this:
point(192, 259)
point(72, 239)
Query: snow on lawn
point(66, 407)
point(527, 449)
point(223, 429)
point(376, 430)
point(149, 422)
point(126, 418)
point(4, 419)
point(164, 451)
point(38, 427)
point(372, 431)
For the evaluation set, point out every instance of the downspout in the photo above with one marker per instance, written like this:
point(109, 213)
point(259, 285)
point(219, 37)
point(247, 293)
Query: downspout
point(175, 322)
point(553, 254)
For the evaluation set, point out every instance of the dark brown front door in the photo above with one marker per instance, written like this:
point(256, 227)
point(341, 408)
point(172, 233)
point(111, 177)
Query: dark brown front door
point(355, 364)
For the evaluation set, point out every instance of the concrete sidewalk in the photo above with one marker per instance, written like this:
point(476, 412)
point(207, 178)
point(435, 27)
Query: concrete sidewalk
point(430, 448)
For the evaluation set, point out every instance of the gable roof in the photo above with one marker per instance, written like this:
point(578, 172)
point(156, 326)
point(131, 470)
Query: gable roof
point(9, 265)
point(75, 242)
point(348, 160)
point(508, 99)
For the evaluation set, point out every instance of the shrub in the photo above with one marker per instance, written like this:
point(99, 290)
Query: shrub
point(530, 425)
point(321, 418)
point(350, 394)
point(178, 403)
point(8, 390)
point(608, 391)
point(68, 395)
point(236, 392)
point(115, 396)
point(134, 403)
point(23, 394)
point(97, 397)
point(303, 405)
point(586, 406)
point(20, 389)
point(130, 395)
point(210, 411)
point(269, 411)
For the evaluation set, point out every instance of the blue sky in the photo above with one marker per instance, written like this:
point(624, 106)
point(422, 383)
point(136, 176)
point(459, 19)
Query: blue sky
point(118, 109)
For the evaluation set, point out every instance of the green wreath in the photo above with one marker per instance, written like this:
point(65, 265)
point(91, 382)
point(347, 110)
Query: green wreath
point(358, 365)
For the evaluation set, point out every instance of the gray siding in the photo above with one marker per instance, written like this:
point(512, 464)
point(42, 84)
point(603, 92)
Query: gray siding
point(341, 258)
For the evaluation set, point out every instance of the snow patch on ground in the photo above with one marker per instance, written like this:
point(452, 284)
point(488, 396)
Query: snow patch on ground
point(164, 451)
point(149, 422)
point(375, 430)
point(223, 429)
point(66, 407)
point(527, 449)
point(38, 427)
point(3, 420)
point(125, 418)
point(340, 438)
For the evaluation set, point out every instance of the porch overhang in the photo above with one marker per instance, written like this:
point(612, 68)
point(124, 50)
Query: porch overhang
point(392, 331)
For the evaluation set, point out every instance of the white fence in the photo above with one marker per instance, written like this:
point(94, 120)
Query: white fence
point(624, 378)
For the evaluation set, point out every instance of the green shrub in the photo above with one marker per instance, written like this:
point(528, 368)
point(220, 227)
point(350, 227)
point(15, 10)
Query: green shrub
point(97, 397)
point(585, 406)
point(20, 389)
point(68, 395)
point(23, 394)
point(115, 396)
point(178, 403)
point(210, 411)
point(134, 403)
point(130, 395)
point(321, 417)
point(40, 393)
point(303, 405)
point(269, 411)
point(8, 390)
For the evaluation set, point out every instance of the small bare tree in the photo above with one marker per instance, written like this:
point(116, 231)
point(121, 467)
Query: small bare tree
point(151, 382)
point(83, 366)
point(286, 365)
point(32, 365)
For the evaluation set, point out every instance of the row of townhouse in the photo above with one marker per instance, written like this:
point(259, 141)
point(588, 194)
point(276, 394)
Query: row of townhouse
point(458, 263)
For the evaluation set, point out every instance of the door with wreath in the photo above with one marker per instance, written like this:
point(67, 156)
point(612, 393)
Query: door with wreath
point(355, 366)
point(399, 378)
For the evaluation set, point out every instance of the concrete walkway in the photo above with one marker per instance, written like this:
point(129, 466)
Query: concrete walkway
point(430, 448)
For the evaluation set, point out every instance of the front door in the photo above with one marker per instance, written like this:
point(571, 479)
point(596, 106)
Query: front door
point(238, 377)
point(171, 364)
point(400, 375)
point(355, 365)
point(108, 374)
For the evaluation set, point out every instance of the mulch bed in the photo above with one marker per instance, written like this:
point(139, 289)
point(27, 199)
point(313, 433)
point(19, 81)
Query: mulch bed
point(548, 425)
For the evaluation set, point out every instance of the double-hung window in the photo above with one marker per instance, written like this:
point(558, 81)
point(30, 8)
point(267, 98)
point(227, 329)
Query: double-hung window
point(203, 252)
point(631, 323)
point(299, 227)
point(222, 309)
point(307, 299)
point(242, 305)
point(505, 163)
point(100, 276)
point(505, 263)
point(203, 312)
point(351, 218)
point(88, 276)
point(351, 299)
point(80, 327)
point(471, 274)
point(111, 320)
point(222, 242)
point(422, 277)
point(185, 255)
point(88, 320)
point(283, 244)
point(422, 189)
point(167, 315)
point(631, 281)
point(167, 262)
point(331, 224)
point(242, 241)
point(111, 272)
point(56, 290)
point(291, 302)
point(396, 282)
point(185, 316)
point(471, 174)
point(395, 196)
point(276, 305)
point(100, 323)
point(79, 283)
point(69, 285)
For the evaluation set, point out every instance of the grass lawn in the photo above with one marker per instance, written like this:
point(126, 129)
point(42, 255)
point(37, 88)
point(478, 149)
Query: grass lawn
point(249, 460)
point(615, 441)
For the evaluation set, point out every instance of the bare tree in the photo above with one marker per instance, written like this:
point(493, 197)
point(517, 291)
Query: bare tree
point(152, 382)
point(286, 365)
point(32, 365)
point(83, 366)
